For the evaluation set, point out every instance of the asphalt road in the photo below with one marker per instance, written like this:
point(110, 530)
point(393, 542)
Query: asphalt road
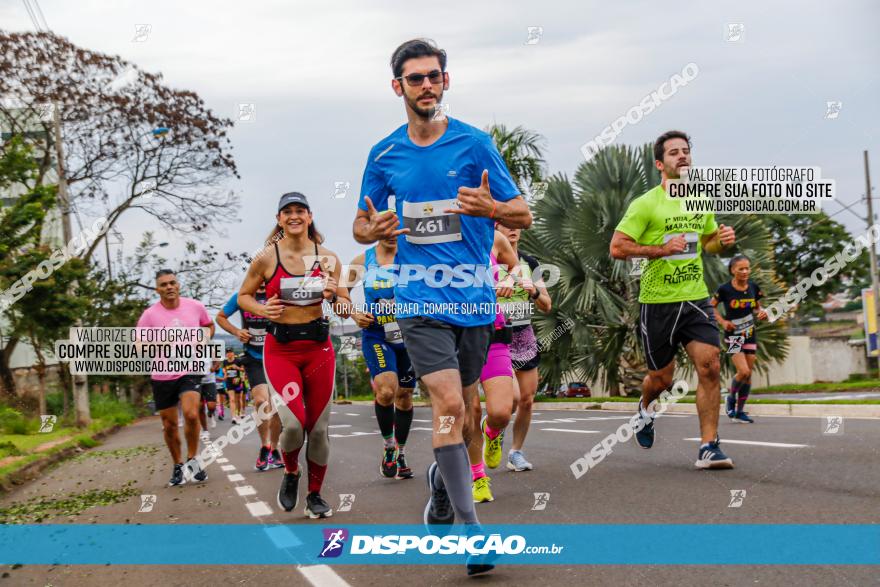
point(791, 471)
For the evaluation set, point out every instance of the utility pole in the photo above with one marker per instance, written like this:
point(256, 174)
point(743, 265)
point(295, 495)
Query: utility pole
point(80, 382)
point(872, 252)
point(107, 250)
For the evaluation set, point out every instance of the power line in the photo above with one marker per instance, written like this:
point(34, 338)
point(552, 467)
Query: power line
point(40, 12)
point(830, 216)
point(36, 15)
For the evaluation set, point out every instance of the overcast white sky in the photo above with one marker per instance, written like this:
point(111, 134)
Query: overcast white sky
point(319, 76)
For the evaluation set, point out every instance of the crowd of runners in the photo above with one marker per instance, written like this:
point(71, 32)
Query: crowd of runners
point(436, 192)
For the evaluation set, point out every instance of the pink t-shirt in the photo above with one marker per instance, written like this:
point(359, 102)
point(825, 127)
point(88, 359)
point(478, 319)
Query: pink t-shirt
point(189, 313)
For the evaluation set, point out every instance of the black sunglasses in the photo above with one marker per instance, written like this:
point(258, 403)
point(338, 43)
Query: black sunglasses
point(417, 79)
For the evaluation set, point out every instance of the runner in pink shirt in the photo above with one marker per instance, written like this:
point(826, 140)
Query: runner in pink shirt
point(169, 389)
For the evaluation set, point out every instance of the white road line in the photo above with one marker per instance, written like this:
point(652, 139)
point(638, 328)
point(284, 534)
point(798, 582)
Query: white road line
point(227, 468)
point(414, 428)
point(567, 430)
point(322, 576)
point(350, 414)
point(757, 443)
point(353, 434)
point(258, 509)
point(235, 477)
point(339, 426)
point(222, 460)
point(417, 420)
point(245, 490)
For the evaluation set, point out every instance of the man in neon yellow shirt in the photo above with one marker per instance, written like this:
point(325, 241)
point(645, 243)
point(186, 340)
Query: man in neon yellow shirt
point(675, 308)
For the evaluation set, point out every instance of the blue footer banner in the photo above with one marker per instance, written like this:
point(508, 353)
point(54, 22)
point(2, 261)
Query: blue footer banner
point(361, 544)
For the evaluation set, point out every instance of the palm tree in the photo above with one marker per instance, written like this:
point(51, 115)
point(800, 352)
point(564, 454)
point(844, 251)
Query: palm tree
point(573, 226)
point(523, 153)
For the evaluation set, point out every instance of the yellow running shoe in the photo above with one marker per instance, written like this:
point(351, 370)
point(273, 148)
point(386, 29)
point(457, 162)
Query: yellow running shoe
point(482, 491)
point(491, 448)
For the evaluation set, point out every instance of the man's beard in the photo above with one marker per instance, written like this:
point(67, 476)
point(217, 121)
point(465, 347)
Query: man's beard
point(425, 112)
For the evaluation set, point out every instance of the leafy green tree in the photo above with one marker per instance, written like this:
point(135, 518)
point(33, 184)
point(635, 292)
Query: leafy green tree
point(523, 153)
point(21, 223)
point(572, 229)
point(802, 244)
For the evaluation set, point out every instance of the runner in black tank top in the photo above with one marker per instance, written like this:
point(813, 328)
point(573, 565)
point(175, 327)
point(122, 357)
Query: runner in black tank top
point(740, 297)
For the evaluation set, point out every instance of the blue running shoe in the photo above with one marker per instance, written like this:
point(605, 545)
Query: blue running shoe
point(479, 563)
point(711, 457)
point(743, 417)
point(730, 404)
point(645, 435)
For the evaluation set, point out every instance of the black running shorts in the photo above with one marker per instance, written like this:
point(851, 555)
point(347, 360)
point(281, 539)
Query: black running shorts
point(166, 394)
point(209, 391)
point(254, 369)
point(433, 345)
point(665, 326)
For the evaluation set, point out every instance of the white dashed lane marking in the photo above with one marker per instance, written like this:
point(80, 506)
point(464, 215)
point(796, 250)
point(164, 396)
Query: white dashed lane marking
point(245, 490)
point(569, 430)
point(322, 576)
point(235, 477)
point(227, 468)
point(258, 509)
point(757, 443)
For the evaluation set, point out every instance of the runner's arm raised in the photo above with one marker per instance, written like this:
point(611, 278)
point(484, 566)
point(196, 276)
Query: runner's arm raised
point(371, 225)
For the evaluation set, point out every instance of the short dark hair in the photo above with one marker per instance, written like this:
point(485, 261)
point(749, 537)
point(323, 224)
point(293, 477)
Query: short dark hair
point(736, 259)
point(659, 147)
point(413, 49)
point(162, 272)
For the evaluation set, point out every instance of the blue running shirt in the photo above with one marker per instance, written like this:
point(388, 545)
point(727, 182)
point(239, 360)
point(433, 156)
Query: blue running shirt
point(424, 181)
point(379, 297)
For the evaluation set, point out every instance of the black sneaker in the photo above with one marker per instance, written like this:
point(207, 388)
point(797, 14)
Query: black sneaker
point(177, 476)
point(644, 429)
point(403, 471)
point(439, 509)
point(262, 459)
point(316, 507)
point(711, 457)
point(193, 471)
point(287, 493)
point(388, 466)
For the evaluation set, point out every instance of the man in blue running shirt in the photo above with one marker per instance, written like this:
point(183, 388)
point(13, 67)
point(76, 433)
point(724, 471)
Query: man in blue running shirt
point(429, 181)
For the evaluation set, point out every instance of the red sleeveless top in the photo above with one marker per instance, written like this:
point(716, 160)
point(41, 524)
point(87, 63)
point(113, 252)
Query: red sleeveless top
point(296, 290)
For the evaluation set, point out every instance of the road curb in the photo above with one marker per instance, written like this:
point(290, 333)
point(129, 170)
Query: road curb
point(32, 470)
